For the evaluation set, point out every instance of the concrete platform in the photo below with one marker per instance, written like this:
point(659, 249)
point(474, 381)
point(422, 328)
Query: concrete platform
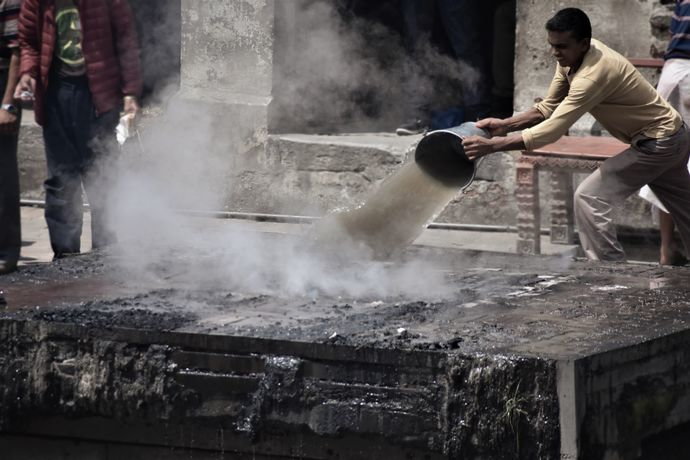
point(497, 356)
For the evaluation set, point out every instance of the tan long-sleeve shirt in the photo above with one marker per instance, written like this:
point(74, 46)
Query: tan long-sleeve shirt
point(609, 87)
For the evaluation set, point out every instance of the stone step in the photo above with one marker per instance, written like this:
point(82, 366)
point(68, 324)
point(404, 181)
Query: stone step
point(319, 173)
point(306, 174)
point(314, 174)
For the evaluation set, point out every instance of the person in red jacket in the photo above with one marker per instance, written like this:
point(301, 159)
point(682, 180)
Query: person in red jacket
point(80, 64)
point(10, 117)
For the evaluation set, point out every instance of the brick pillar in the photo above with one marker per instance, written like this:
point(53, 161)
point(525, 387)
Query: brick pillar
point(529, 216)
point(562, 226)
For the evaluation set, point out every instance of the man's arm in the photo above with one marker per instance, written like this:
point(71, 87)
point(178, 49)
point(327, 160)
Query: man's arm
point(9, 122)
point(12, 78)
point(558, 90)
point(584, 95)
point(477, 146)
point(524, 120)
point(501, 127)
point(29, 38)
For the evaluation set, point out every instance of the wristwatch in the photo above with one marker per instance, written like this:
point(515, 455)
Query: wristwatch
point(9, 108)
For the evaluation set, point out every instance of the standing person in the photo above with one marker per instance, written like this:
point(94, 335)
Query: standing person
point(467, 26)
point(10, 233)
point(591, 77)
point(80, 59)
point(462, 23)
point(417, 22)
point(674, 86)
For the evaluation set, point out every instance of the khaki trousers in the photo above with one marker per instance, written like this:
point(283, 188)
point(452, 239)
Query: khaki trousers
point(660, 163)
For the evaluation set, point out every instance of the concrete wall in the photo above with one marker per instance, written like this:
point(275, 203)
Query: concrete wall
point(227, 50)
point(625, 399)
point(227, 61)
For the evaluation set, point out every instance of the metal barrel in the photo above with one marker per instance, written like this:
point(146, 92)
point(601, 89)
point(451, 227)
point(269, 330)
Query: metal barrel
point(441, 155)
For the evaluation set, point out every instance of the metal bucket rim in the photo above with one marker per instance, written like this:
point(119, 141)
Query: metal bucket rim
point(475, 163)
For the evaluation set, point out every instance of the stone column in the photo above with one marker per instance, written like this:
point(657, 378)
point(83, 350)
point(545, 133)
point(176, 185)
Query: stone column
point(227, 62)
point(226, 81)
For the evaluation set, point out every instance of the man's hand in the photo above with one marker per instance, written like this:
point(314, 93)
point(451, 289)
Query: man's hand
point(131, 106)
point(495, 126)
point(477, 146)
point(26, 88)
point(9, 122)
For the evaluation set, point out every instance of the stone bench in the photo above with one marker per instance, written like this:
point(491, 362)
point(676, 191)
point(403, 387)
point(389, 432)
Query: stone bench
point(562, 158)
point(646, 63)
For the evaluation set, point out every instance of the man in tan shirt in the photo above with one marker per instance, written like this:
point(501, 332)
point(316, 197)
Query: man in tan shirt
point(590, 77)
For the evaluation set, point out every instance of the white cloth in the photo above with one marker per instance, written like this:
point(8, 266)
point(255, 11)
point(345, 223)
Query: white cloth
point(123, 130)
point(674, 86)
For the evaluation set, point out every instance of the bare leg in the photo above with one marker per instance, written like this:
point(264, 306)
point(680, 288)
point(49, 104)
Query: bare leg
point(666, 227)
point(668, 254)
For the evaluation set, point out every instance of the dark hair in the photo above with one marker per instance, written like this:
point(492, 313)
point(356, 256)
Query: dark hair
point(572, 20)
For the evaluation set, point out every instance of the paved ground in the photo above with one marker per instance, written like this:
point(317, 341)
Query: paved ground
point(36, 245)
point(35, 241)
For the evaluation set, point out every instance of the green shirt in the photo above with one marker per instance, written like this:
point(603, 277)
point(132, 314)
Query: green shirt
point(68, 43)
point(609, 87)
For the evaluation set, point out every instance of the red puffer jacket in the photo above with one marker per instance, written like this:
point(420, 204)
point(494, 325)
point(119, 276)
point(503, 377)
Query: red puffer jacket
point(109, 44)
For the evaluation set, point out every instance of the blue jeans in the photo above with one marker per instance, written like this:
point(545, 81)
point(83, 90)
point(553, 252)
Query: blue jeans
point(463, 25)
point(465, 28)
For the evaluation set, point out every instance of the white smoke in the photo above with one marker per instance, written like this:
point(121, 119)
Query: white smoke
point(354, 74)
point(170, 171)
point(179, 162)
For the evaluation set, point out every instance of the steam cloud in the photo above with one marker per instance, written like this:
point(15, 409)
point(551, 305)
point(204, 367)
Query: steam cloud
point(179, 164)
point(346, 71)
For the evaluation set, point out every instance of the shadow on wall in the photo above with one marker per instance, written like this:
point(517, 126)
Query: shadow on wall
point(351, 66)
point(347, 65)
point(333, 68)
point(159, 28)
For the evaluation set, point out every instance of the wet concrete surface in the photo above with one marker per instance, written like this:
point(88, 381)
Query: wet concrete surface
point(502, 304)
point(523, 358)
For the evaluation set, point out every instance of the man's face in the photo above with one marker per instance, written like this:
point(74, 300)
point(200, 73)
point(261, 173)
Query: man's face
point(566, 49)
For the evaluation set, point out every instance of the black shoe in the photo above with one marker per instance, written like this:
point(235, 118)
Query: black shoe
point(7, 266)
point(64, 255)
point(413, 127)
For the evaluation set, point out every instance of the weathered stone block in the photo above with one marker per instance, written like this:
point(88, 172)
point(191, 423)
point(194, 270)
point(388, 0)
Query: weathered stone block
point(31, 158)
